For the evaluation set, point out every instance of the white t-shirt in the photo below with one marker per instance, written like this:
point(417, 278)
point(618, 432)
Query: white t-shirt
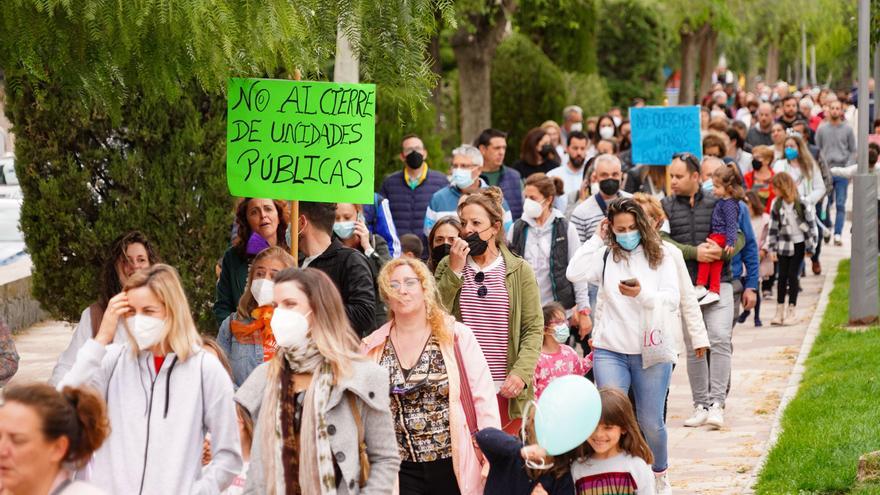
point(621, 474)
point(237, 486)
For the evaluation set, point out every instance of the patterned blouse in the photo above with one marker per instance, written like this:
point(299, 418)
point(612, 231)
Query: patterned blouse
point(420, 404)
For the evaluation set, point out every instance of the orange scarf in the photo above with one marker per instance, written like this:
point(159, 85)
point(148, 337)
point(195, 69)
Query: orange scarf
point(258, 331)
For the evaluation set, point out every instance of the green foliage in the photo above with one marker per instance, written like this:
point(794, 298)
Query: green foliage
point(587, 91)
point(109, 51)
point(392, 123)
point(564, 29)
point(87, 180)
point(834, 417)
point(631, 48)
point(527, 88)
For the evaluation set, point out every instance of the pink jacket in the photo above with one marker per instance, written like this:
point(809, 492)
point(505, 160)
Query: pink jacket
point(465, 463)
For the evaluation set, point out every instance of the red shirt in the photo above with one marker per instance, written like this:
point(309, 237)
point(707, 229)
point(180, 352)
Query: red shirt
point(158, 360)
point(764, 191)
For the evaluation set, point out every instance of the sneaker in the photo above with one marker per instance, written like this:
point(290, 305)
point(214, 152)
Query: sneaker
point(791, 314)
point(699, 417)
point(817, 267)
point(758, 323)
point(701, 291)
point(715, 418)
point(837, 240)
point(767, 294)
point(710, 298)
point(743, 316)
point(779, 317)
point(826, 235)
point(661, 483)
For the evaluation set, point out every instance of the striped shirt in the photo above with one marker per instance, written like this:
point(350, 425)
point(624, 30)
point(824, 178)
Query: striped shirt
point(488, 316)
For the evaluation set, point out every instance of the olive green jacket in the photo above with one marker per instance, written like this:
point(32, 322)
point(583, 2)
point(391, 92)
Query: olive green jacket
point(526, 321)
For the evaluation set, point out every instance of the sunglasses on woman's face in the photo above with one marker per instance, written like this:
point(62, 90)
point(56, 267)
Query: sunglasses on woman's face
point(482, 290)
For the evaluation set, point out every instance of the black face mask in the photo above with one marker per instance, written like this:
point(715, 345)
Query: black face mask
point(756, 164)
point(478, 246)
point(609, 187)
point(547, 151)
point(440, 252)
point(414, 160)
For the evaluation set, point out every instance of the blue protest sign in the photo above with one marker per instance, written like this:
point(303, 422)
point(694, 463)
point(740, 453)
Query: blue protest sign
point(660, 132)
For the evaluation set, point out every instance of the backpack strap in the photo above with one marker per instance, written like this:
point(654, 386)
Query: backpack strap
point(96, 314)
point(605, 263)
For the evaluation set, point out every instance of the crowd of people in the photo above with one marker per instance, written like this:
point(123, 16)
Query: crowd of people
point(402, 348)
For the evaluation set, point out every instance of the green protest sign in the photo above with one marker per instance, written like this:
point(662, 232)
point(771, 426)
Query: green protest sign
point(303, 140)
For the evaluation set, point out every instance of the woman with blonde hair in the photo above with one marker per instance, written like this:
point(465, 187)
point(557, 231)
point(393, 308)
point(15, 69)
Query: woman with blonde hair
point(555, 132)
point(163, 391)
point(246, 335)
point(321, 408)
point(438, 374)
point(495, 293)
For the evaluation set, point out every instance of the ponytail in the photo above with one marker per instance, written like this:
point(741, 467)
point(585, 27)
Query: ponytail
point(76, 413)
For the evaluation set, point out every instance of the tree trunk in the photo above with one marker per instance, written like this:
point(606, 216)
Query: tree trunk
point(474, 91)
point(437, 69)
point(707, 59)
point(751, 70)
point(688, 70)
point(772, 71)
point(474, 46)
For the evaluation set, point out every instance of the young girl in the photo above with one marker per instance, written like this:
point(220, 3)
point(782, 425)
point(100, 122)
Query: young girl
point(760, 225)
point(557, 359)
point(615, 459)
point(518, 469)
point(791, 236)
point(727, 185)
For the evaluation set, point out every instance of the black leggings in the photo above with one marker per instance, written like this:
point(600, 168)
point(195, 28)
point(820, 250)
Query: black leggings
point(789, 275)
point(428, 478)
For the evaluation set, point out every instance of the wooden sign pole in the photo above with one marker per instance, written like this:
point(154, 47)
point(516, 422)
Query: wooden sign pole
point(294, 208)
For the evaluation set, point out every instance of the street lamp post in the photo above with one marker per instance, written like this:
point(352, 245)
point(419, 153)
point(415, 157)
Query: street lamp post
point(863, 276)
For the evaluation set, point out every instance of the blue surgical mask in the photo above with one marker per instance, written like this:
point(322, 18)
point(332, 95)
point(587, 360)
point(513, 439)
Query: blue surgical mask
point(791, 153)
point(461, 178)
point(343, 230)
point(629, 240)
point(561, 333)
point(708, 185)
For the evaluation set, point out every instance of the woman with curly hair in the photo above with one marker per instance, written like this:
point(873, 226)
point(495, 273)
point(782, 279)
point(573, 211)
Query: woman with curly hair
point(635, 273)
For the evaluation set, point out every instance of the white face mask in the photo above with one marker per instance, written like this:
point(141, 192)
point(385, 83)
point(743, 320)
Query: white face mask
point(532, 209)
point(606, 132)
point(617, 120)
point(576, 127)
point(146, 330)
point(290, 328)
point(263, 291)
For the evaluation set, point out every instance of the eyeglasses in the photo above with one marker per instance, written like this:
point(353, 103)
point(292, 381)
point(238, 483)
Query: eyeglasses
point(482, 290)
point(409, 283)
point(405, 389)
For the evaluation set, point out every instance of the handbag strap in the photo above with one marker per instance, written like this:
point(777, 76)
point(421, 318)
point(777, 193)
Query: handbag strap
point(362, 445)
point(467, 398)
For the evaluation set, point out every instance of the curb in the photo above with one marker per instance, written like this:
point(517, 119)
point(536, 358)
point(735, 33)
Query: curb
point(797, 373)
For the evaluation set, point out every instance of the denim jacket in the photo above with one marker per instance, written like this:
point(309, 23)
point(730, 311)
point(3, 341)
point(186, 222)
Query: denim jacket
point(243, 357)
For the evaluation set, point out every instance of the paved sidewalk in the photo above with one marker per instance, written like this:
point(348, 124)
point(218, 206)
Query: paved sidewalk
point(703, 461)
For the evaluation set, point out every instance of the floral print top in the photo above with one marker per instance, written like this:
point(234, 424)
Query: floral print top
point(564, 362)
point(420, 404)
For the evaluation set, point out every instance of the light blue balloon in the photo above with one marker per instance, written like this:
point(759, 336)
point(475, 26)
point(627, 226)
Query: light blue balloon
point(567, 414)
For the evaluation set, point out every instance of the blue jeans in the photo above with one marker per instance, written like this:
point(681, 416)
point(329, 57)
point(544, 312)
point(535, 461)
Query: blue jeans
point(616, 370)
point(840, 188)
